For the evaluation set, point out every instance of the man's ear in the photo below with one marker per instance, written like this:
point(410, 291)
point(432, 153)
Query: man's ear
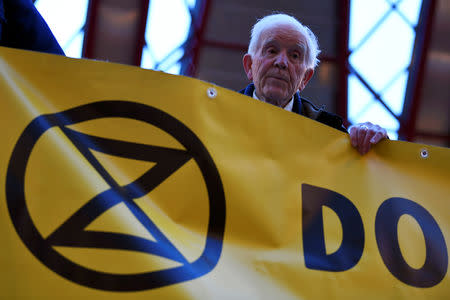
point(308, 74)
point(247, 63)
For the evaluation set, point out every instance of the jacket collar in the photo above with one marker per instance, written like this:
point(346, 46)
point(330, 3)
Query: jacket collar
point(296, 107)
point(304, 107)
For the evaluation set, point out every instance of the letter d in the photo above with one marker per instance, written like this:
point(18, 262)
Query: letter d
point(351, 248)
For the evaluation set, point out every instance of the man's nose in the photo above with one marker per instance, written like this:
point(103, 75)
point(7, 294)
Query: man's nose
point(281, 61)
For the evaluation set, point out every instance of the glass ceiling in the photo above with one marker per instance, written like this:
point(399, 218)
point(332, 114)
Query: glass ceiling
point(66, 19)
point(168, 25)
point(381, 41)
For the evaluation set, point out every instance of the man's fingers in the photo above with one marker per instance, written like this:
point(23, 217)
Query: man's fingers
point(363, 136)
point(353, 131)
point(370, 134)
point(362, 132)
point(379, 135)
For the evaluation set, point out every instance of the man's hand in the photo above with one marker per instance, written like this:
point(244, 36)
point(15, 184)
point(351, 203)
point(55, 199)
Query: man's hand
point(364, 135)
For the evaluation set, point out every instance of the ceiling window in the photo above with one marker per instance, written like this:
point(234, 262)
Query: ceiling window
point(66, 19)
point(381, 41)
point(166, 35)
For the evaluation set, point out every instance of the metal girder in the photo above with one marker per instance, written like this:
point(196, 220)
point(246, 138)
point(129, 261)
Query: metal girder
point(197, 38)
point(198, 41)
point(372, 91)
point(115, 30)
point(422, 42)
point(443, 137)
point(343, 65)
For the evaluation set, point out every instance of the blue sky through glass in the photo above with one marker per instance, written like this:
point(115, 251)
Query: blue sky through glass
point(168, 24)
point(410, 9)
point(66, 19)
point(167, 29)
point(381, 40)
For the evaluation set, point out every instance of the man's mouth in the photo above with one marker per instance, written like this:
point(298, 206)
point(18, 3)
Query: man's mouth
point(278, 77)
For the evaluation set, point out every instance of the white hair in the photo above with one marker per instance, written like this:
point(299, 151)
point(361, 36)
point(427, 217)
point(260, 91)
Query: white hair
point(271, 21)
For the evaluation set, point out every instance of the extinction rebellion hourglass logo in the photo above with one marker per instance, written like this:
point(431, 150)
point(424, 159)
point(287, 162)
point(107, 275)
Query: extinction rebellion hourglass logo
point(73, 233)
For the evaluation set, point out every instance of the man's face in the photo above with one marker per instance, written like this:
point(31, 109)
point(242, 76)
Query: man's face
point(278, 67)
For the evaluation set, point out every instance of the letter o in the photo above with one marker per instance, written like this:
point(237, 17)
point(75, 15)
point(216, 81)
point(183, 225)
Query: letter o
point(436, 261)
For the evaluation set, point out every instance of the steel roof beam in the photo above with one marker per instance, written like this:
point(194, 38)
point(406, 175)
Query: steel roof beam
point(343, 65)
point(422, 42)
point(115, 30)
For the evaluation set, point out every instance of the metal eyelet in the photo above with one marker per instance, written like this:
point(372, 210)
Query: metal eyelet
point(211, 92)
point(424, 153)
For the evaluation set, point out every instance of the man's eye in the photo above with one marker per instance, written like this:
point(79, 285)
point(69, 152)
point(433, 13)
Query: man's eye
point(295, 56)
point(271, 50)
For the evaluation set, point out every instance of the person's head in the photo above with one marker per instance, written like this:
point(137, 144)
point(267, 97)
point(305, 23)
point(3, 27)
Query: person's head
point(281, 58)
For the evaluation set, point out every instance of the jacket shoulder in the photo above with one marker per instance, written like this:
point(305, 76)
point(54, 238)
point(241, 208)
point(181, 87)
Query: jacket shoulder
point(319, 114)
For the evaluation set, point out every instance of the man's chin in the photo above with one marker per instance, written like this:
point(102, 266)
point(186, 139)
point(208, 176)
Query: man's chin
point(277, 98)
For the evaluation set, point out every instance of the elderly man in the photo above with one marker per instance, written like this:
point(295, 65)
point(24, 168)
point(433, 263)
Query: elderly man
point(280, 62)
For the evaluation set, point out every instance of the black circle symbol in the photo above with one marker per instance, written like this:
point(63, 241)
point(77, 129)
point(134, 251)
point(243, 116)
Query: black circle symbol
point(42, 248)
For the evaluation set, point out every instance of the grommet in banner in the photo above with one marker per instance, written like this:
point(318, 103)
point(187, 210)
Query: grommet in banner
point(212, 93)
point(424, 153)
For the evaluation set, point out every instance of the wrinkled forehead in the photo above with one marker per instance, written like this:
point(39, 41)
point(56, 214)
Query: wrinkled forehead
point(285, 33)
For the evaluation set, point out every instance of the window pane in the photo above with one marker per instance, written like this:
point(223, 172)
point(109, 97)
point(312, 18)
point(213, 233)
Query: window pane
point(411, 10)
point(358, 98)
point(381, 58)
point(167, 26)
point(147, 60)
point(387, 52)
point(394, 95)
point(66, 19)
point(363, 107)
point(175, 69)
point(377, 114)
point(363, 16)
point(172, 59)
point(191, 3)
point(75, 46)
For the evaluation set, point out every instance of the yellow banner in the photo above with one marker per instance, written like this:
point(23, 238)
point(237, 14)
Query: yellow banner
point(124, 183)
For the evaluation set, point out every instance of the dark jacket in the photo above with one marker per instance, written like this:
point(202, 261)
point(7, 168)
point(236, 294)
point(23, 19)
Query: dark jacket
point(305, 108)
point(22, 27)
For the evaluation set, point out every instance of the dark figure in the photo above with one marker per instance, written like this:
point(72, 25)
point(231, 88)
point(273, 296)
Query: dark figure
point(22, 27)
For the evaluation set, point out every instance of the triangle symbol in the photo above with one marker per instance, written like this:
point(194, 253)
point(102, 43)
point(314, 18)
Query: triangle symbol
point(73, 232)
point(122, 169)
point(119, 219)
